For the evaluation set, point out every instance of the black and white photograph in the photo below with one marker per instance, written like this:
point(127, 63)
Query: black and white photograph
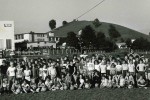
point(74, 50)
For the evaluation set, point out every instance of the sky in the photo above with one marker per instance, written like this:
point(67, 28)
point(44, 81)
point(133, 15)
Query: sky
point(34, 15)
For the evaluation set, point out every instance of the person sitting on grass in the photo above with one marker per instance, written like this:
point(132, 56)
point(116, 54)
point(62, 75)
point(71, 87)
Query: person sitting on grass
point(104, 82)
point(66, 79)
point(81, 82)
point(115, 81)
point(87, 83)
point(25, 87)
point(96, 79)
point(122, 82)
point(141, 82)
point(33, 85)
point(129, 80)
point(48, 83)
point(109, 82)
point(39, 86)
point(16, 87)
point(43, 87)
point(5, 86)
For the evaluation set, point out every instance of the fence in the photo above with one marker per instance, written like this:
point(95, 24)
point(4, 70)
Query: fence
point(60, 52)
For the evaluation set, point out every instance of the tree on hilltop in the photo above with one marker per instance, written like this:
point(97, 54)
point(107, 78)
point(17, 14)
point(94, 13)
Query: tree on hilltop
point(52, 24)
point(96, 23)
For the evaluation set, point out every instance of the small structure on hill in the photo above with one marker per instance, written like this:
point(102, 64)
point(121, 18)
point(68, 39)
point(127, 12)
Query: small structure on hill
point(121, 45)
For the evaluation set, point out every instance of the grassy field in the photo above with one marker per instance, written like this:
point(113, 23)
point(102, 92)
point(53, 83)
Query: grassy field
point(91, 94)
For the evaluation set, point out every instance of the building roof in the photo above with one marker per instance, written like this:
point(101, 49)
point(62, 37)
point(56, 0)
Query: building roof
point(29, 33)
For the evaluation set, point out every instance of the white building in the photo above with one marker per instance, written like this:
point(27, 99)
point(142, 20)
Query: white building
point(31, 37)
point(53, 37)
point(7, 35)
point(35, 39)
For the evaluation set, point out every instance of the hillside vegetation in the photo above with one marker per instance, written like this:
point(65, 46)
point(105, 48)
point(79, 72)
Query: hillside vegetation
point(76, 26)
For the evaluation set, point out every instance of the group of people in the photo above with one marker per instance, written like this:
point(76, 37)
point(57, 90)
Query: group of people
point(79, 72)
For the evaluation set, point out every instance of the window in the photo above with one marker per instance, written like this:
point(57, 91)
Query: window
point(16, 37)
point(56, 38)
point(8, 44)
point(22, 36)
point(1, 44)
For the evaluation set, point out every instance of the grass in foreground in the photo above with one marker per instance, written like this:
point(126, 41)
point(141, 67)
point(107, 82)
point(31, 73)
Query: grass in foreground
point(91, 94)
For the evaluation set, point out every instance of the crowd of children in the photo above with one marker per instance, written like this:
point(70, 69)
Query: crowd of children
point(84, 72)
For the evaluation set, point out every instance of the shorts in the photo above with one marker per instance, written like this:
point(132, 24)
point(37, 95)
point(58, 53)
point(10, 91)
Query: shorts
point(141, 73)
point(11, 78)
point(124, 73)
point(119, 72)
point(108, 72)
point(132, 73)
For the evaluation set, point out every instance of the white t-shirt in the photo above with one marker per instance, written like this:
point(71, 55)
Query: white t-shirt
point(52, 71)
point(11, 71)
point(90, 66)
point(122, 82)
point(125, 66)
point(108, 67)
point(131, 67)
point(27, 74)
point(119, 67)
point(141, 67)
point(97, 67)
point(19, 72)
point(103, 68)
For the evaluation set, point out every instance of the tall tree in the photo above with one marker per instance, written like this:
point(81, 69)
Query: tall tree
point(61, 41)
point(128, 42)
point(72, 40)
point(141, 44)
point(113, 32)
point(52, 24)
point(88, 36)
point(100, 39)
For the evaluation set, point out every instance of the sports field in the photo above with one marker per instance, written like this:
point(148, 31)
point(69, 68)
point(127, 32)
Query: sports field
point(91, 94)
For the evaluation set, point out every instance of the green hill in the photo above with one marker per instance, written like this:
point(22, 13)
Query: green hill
point(76, 26)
